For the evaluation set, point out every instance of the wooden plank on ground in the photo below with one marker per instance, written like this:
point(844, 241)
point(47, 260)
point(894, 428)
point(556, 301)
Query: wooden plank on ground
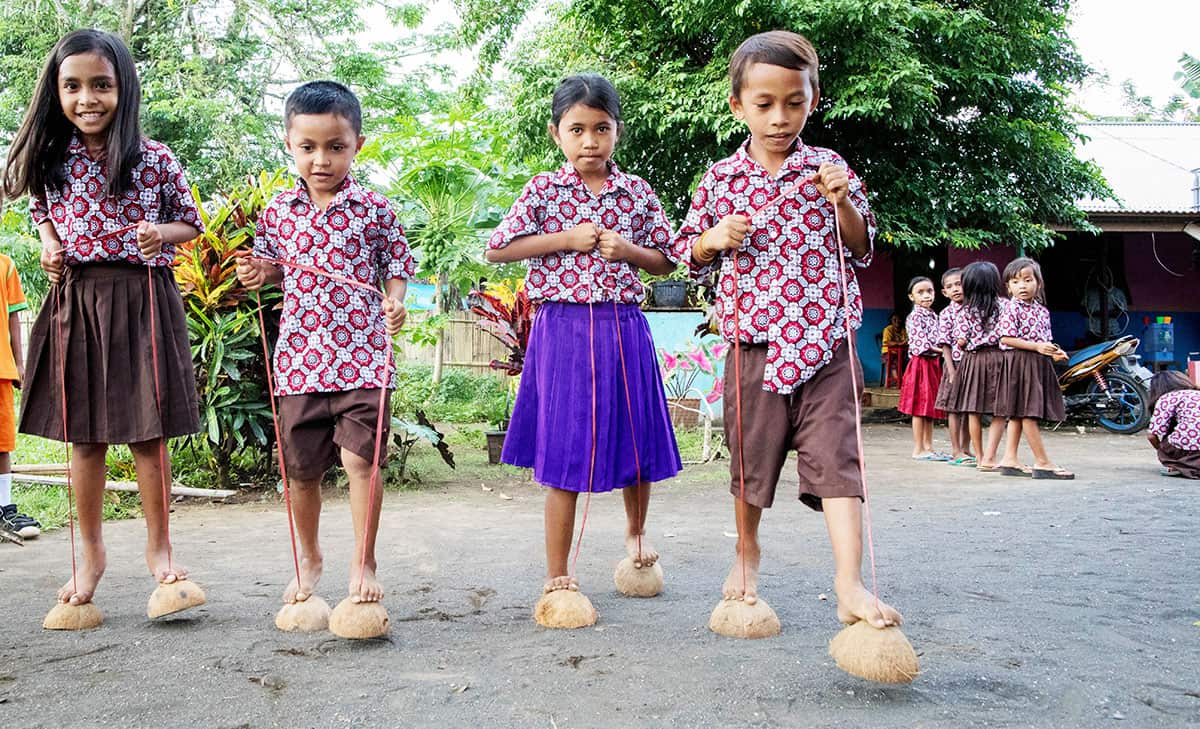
point(176, 489)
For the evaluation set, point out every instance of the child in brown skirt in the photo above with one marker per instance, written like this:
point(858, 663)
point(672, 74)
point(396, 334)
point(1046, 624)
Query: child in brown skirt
point(1029, 389)
point(923, 375)
point(1175, 425)
point(952, 354)
point(108, 204)
point(978, 378)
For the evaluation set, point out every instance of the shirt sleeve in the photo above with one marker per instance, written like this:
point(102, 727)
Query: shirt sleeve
point(265, 245)
point(699, 219)
point(1008, 323)
point(945, 327)
point(178, 203)
point(1164, 413)
point(38, 210)
point(656, 229)
point(393, 258)
point(858, 196)
point(12, 289)
point(524, 218)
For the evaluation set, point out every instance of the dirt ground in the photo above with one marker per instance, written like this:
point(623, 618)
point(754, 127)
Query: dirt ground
point(1031, 603)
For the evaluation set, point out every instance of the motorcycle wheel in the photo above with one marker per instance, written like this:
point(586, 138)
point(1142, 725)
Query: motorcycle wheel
point(1135, 415)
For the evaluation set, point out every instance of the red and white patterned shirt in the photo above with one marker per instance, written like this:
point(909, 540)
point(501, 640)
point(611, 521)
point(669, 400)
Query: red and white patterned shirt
point(1177, 419)
point(977, 333)
point(788, 294)
point(1029, 321)
point(331, 335)
point(947, 321)
point(922, 327)
point(81, 211)
point(556, 201)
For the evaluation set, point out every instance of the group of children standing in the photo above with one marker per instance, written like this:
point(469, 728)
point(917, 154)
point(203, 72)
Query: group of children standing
point(989, 352)
point(769, 221)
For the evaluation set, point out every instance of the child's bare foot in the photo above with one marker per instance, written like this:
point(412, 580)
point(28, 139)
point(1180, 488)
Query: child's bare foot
point(737, 588)
point(162, 567)
point(855, 603)
point(371, 590)
point(310, 575)
point(648, 555)
point(79, 590)
point(562, 582)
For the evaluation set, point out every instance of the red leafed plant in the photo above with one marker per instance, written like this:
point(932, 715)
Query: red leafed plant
point(507, 314)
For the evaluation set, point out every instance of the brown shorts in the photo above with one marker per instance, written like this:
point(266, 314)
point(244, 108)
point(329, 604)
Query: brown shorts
point(816, 420)
point(315, 425)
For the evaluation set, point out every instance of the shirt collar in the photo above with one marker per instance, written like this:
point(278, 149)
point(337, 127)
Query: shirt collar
point(800, 160)
point(350, 191)
point(568, 176)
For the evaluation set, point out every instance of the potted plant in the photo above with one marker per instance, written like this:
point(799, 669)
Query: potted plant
point(670, 291)
point(680, 370)
point(506, 313)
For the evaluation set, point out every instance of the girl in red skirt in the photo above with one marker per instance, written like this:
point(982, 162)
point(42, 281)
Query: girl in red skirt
point(1028, 389)
point(923, 375)
point(108, 203)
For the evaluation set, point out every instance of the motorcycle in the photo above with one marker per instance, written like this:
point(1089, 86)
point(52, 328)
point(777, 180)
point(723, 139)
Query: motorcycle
point(1105, 381)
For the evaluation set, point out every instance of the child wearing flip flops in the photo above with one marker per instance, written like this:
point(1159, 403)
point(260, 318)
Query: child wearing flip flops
point(923, 375)
point(952, 354)
point(1175, 425)
point(978, 377)
point(1028, 390)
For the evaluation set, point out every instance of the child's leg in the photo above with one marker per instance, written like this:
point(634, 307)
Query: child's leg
point(637, 501)
point(306, 511)
point(1012, 442)
point(5, 483)
point(964, 435)
point(918, 435)
point(843, 518)
point(364, 586)
point(739, 586)
point(87, 472)
point(928, 438)
point(1033, 436)
point(150, 486)
point(995, 435)
point(975, 431)
point(959, 445)
point(560, 529)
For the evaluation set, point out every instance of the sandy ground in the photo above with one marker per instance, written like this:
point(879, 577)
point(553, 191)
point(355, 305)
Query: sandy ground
point(1031, 603)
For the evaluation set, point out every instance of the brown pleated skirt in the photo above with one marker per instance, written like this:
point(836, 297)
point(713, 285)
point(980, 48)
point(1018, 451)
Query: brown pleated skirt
point(108, 359)
point(978, 381)
point(1186, 462)
point(946, 390)
point(1029, 387)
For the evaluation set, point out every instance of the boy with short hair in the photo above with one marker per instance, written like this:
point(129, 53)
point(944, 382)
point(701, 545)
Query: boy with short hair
point(785, 307)
point(960, 439)
point(334, 338)
point(12, 372)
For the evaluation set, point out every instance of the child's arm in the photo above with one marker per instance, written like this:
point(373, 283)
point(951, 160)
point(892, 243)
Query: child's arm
point(1050, 349)
point(833, 181)
point(727, 235)
point(254, 274)
point(52, 251)
point(394, 313)
point(581, 238)
point(152, 237)
point(613, 247)
point(14, 339)
point(948, 361)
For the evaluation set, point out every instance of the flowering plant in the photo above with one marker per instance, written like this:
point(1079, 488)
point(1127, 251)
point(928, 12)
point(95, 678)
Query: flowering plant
point(681, 368)
point(507, 314)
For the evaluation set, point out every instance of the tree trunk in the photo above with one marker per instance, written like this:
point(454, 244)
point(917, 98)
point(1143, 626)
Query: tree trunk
point(439, 299)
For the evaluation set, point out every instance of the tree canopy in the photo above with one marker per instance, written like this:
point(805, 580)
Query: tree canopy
point(954, 111)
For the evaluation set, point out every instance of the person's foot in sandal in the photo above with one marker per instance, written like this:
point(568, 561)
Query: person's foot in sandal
point(1165, 471)
point(1018, 471)
point(1056, 473)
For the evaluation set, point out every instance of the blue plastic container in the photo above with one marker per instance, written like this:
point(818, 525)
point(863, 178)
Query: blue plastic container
point(1158, 343)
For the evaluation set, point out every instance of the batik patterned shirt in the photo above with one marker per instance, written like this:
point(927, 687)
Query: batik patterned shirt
point(947, 322)
point(332, 336)
point(786, 292)
point(82, 212)
point(922, 326)
point(1177, 419)
point(975, 331)
point(553, 202)
point(1029, 321)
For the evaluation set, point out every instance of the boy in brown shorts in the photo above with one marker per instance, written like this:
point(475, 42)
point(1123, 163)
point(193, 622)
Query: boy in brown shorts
point(334, 338)
point(778, 296)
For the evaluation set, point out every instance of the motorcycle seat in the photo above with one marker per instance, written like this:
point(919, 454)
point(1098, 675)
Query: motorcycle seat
point(1086, 353)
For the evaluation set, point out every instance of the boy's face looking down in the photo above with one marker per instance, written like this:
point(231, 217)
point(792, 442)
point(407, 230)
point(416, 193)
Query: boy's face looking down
point(775, 103)
point(324, 146)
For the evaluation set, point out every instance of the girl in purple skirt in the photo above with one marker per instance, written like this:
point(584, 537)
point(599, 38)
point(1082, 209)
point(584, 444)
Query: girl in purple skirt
point(590, 414)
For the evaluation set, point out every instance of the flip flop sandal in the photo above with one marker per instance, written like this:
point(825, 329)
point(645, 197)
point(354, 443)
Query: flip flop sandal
point(1164, 471)
point(926, 457)
point(988, 469)
point(940, 456)
point(1057, 474)
point(1014, 471)
point(964, 461)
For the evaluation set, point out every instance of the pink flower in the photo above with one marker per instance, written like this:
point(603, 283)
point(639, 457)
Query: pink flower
point(719, 349)
point(670, 362)
point(718, 391)
point(701, 359)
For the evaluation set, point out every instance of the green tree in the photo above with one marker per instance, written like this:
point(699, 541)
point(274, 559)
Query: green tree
point(954, 111)
point(214, 72)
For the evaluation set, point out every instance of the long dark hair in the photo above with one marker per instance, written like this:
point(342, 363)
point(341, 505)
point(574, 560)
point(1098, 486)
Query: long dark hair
point(589, 89)
point(982, 289)
point(35, 158)
point(1168, 381)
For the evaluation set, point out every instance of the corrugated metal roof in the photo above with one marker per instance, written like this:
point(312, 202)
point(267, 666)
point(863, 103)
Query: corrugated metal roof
point(1148, 165)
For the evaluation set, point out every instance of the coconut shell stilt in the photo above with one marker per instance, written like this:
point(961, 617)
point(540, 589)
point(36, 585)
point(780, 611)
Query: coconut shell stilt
point(173, 597)
point(310, 615)
point(740, 619)
point(566, 609)
point(882, 655)
point(638, 581)
point(65, 616)
point(358, 620)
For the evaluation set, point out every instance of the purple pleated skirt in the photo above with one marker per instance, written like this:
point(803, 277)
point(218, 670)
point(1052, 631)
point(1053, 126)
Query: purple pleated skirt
point(551, 428)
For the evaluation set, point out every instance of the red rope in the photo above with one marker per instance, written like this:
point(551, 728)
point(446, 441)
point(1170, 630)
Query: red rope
point(637, 459)
point(737, 399)
point(162, 441)
point(587, 502)
point(287, 489)
point(62, 371)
